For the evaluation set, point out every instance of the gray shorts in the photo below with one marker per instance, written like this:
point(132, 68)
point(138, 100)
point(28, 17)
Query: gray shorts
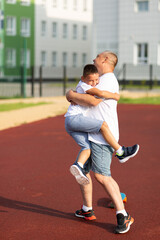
point(101, 158)
point(78, 127)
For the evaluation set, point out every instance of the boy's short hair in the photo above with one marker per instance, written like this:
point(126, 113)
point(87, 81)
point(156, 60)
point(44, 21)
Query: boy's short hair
point(89, 69)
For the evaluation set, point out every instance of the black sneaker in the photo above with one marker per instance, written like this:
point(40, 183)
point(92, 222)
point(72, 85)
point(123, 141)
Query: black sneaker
point(124, 223)
point(79, 174)
point(86, 215)
point(128, 153)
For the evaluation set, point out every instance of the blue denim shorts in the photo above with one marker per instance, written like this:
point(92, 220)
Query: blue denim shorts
point(78, 127)
point(100, 160)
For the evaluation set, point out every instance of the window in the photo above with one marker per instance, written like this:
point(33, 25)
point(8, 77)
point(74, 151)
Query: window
point(11, 57)
point(25, 2)
point(75, 5)
point(65, 29)
point(43, 28)
point(84, 5)
point(54, 3)
point(25, 27)
point(65, 4)
point(158, 54)
point(142, 5)
point(11, 26)
point(43, 58)
point(142, 53)
point(54, 59)
point(1, 20)
point(64, 56)
point(159, 5)
point(54, 29)
point(25, 58)
point(84, 33)
point(11, 1)
point(84, 59)
point(74, 31)
point(74, 60)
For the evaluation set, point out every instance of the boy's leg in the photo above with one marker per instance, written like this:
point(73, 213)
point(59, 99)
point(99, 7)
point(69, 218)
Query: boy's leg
point(122, 153)
point(109, 137)
point(79, 172)
point(78, 126)
point(76, 169)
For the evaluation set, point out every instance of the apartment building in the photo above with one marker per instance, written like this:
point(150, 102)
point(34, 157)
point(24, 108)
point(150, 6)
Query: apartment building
point(48, 33)
point(63, 32)
point(129, 28)
point(17, 34)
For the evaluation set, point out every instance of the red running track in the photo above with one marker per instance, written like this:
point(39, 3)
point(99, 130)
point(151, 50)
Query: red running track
point(38, 195)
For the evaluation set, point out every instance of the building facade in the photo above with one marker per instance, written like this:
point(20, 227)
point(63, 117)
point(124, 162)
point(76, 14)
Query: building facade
point(18, 36)
point(130, 29)
point(63, 32)
point(48, 33)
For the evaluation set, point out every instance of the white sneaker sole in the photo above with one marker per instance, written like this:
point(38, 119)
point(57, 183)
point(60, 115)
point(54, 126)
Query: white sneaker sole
point(80, 178)
point(127, 158)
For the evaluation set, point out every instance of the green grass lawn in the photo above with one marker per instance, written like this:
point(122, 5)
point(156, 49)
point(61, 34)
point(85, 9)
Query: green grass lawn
point(14, 106)
point(144, 100)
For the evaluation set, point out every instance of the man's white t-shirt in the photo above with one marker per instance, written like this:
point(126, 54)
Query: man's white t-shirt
point(106, 110)
point(82, 87)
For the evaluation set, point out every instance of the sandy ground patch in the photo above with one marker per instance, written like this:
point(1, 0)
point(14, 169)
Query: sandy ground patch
point(56, 106)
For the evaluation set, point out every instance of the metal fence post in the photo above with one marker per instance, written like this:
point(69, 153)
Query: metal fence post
point(151, 76)
point(64, 80)
point(40, 81)
point(124, 76)
point(22, 85)
point(32, 81)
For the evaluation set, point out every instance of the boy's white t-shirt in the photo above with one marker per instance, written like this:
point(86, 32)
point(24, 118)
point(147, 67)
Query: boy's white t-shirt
point(82, 87)
point(106, 110)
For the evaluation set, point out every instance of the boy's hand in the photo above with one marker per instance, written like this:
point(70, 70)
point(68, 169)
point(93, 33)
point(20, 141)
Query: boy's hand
point(69, 95)
point(73, 103)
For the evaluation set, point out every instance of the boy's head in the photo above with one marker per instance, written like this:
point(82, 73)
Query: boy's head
point(90, 75)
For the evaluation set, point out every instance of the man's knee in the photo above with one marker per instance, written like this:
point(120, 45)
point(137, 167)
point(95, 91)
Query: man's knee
point(101, 178)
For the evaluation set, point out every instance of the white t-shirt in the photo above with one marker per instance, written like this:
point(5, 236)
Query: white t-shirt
point(106, 110)
point(82, 87)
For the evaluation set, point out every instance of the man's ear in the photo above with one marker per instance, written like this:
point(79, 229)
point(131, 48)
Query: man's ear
point(82, 77)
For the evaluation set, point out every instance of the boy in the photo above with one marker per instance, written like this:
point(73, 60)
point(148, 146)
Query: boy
point(78, 126)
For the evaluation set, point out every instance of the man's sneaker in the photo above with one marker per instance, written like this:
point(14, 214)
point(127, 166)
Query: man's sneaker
point(128, 153)
point(86, 215)
point(79, 174)
point(124, 223)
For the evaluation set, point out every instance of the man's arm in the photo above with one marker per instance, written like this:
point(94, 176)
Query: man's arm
point(103, 94)
point(82, 99)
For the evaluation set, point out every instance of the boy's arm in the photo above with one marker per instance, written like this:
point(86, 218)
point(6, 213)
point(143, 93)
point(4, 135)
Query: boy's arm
point(82, 99)
point(103, 94)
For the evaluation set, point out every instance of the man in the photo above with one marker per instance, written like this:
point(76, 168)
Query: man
point(101, 152)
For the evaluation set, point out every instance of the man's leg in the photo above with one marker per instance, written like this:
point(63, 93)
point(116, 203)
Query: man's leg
point(86, 211)
point(86, 191)
point(101, 161)
point(112, 188)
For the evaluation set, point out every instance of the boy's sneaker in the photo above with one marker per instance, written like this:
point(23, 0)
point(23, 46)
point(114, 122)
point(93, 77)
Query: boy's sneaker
point(128, 153)
point(79, 174)
point(86, 215)
point(124, 223)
